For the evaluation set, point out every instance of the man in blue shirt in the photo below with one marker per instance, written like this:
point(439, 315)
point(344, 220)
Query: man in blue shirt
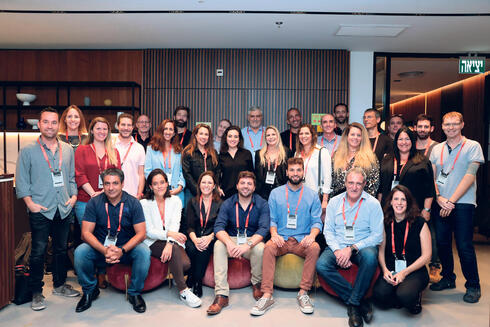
point(295, 222)
point(113, 228)
point(353, 230)
point(254, 133)
point(243, 222)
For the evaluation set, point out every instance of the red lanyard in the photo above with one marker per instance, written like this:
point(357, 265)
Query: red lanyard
point(393, 238)
point(455, 159)
point(164, 161)
point(127, 152)
point(109, 220)
point(334, 144)
point(79, 138)
point(97, 158)
point(395, 167)
point(290, 140)
point(261, 137)
point(183, 134)
point(46, 156)
point(207, 214)
point(269, 164)
point(162, 213)
point(299, 200)
point(375, 142)
point(307, 160)
point(246, 221)
point(357, 212)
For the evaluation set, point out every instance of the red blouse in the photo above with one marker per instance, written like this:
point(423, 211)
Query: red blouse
point(87, 170)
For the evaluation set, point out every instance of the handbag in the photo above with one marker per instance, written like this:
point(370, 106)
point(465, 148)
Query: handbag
point(22, 292)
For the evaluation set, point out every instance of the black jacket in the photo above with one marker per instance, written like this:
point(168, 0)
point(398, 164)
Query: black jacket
point(193, 167)
point(262, 188)
point(194, 220)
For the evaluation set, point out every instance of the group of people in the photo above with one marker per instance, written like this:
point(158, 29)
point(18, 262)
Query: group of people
point(352, 195)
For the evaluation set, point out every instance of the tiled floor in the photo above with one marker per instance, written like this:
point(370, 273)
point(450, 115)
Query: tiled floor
point(165, 309)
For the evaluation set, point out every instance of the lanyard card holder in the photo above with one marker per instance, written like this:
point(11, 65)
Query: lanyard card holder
point(442, 178)
point(57, 179)
point(110, 240)
point(270, 177)
point(394, 183)
point(241, 238)
point(292, 221)
point(349, 234)
point(101, 184)
point(400, 265)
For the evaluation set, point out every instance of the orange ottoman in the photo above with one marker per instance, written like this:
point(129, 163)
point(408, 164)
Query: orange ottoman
point(350, 275)
point(157, 274)
point(238, 273)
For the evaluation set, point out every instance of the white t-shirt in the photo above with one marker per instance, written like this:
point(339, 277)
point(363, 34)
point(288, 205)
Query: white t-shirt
point(311, 170)
point(130, 163)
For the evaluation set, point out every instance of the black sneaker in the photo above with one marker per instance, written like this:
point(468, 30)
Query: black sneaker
point(366, 311)
point(472, 295)
point(443, 284)
point(417, 308)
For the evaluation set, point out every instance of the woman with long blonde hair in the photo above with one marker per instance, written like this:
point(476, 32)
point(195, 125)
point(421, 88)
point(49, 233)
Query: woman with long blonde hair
point(91, 159)
point(198, 156)
point(72, 127)
point(271, 163)
point(355, 151)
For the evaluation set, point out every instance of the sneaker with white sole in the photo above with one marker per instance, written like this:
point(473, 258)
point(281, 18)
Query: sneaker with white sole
point(66, 290)
point(262, 305)
point(38, 302)
point(304, 303)
point(190, 298)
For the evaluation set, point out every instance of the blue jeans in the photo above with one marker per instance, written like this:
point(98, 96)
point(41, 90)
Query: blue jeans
point(80, 210)
point(367, 261)
point(41, 228)
point(460, 221)
point(87, 258)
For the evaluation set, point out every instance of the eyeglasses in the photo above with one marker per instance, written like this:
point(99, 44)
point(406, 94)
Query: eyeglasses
point(451, 124)
point(143, 122)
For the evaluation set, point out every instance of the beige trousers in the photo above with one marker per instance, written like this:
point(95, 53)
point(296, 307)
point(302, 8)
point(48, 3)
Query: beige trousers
point(220, 261)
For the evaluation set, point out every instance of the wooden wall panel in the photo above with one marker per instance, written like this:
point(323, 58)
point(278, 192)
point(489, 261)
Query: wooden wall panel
point(275, 80)
point(473, 108)
point(434, 110)
point(7, 255)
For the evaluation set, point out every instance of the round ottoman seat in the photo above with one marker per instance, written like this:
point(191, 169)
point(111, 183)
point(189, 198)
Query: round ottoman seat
point(289, 270)
point(350, 275)
point(238, 273)
point(118, 274)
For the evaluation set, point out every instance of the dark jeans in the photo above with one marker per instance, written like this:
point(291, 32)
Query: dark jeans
point(199, 261)
point(460, 221)
point(406, 293)
point(434, 260)
point(87, 258)
point(367, 261)
point(41, 229)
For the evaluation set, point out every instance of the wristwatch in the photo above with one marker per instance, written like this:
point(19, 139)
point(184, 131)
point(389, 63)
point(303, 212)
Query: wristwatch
point(353, 249)
point(123, 250)
point(427, 209)
point(250, 243)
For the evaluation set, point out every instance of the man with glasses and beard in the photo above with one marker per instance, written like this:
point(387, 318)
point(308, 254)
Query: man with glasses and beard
point(295, 222)
point(181, 116)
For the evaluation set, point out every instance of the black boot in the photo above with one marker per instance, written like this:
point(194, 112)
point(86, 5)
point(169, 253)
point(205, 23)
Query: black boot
point(355, 317)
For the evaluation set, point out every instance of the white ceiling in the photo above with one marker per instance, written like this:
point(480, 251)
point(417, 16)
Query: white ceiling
point(244, 30)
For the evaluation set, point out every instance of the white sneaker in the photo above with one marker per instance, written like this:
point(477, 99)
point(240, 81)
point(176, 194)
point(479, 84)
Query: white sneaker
point(261, 306)
point(190, 298)
point(304, 303)
point(38, 302)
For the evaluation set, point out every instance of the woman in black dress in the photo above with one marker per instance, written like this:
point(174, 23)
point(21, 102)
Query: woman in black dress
point(406, 166)
point(201, 212)
point(403, 254)
point(233, 158)
point(271, 163)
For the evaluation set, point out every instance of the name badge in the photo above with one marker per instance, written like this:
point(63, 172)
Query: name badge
point(394, 183)
point(349, 233)
point(110, 240)
point(101, 184)
point(292, 221)
point(441, 179)
point(241, 238)
point(400, 265)
point(270, 177)
point(169, 177)
point(57, 179)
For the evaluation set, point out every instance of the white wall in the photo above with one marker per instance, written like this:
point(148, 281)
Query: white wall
point(360, 84)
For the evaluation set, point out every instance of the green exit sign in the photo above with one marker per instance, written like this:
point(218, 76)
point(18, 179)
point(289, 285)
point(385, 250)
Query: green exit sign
point(471, 65)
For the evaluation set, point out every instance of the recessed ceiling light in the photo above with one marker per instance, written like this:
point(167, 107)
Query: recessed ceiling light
point(370, 30)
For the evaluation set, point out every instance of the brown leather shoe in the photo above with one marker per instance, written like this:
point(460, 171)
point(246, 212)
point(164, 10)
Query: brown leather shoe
point(257, 292)
point(101, 281)
point(220, 301)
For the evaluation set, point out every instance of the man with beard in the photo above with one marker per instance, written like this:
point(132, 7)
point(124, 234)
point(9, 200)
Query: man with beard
point(295, 222)
point(424, 126)
point(288, 137)
point(254, 133)
point(242, 224)
point(143, 134)
point(45, 180)
point(181, 116)
point(341, 114)
point(329, 139)
point(132, 157)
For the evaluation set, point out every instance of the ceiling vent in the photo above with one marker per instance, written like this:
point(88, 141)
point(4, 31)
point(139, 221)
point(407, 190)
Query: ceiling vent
point(413, 74)
point(371, 30)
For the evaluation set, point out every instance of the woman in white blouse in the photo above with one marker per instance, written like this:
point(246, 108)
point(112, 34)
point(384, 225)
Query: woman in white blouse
point(162, 214)
point(307, 149)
